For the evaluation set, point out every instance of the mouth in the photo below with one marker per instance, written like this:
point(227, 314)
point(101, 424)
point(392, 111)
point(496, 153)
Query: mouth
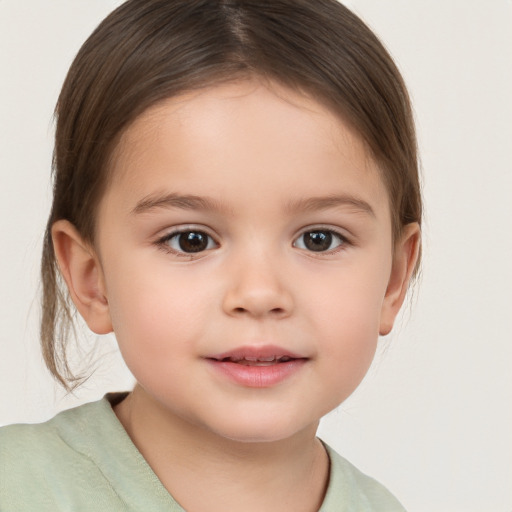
point(256, 361)
point(258, 367)
point(268, 355)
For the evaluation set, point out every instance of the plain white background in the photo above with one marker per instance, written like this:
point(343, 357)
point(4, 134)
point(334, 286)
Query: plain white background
point(433, 419)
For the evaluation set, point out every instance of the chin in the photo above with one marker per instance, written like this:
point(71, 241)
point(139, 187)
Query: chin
point(270, 431)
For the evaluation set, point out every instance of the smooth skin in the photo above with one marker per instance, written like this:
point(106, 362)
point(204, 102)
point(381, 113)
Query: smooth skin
point(253, 175)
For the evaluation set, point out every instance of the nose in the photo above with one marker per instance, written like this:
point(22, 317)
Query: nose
point(257, 289)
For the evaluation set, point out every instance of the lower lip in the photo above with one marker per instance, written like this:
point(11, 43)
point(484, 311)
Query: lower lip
point(258, 376)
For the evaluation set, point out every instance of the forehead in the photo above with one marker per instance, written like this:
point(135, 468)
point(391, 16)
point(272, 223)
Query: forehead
point(258, 129)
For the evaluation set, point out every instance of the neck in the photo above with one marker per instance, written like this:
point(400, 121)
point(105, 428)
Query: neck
point(207, 472)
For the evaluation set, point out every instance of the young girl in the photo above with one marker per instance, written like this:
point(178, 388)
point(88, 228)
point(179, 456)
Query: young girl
point(236, 197)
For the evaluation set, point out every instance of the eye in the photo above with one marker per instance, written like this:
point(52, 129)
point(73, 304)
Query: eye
point(189, 242)
point(320, 240)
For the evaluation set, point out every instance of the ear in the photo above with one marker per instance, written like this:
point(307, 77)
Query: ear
point(404, 262)
point(81, 269)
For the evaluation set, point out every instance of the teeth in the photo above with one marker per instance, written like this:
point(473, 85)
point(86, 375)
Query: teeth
point(245, 362)
point(258, 361)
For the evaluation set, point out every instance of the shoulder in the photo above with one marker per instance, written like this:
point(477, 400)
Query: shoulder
point(23, 445)
point(350, 489)
point(39, 463)
point(48, 441)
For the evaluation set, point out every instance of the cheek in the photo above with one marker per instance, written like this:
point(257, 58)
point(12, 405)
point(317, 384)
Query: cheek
point(349, 301)
point(347, 318)
point(351, 340)
point(155, 315)
point(346, 354)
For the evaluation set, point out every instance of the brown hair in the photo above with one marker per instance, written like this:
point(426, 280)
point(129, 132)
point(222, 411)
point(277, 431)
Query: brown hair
point(150, 50)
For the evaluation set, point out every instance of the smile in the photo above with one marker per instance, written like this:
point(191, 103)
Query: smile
point(258, 361)
point(257, 367)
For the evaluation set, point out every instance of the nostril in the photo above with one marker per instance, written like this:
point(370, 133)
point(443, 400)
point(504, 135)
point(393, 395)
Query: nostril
point(257, 303)
point(273, 311)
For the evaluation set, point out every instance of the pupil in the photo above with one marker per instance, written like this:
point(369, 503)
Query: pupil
point(318, 240)
point(193, 242)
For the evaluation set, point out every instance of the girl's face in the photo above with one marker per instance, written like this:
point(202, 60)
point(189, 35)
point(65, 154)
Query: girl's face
point(245, 259)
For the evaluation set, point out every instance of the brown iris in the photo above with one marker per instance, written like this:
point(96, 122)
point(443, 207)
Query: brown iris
point(193, 241)
point(318, 240)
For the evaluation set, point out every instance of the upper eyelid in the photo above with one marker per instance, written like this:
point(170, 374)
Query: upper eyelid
point(343, 233)
point(348, 240)
point(162, 241)
point(184, 228)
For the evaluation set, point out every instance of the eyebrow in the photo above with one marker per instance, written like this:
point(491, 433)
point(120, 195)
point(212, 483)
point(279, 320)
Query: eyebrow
point(191, 202)
point(184, 202)
point(312, 204)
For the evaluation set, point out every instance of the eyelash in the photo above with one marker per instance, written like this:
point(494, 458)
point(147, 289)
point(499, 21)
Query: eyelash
point(343, 241)
point(164, 242)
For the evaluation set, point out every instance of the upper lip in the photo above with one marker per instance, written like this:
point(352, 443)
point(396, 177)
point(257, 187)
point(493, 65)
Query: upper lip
point(256, 353)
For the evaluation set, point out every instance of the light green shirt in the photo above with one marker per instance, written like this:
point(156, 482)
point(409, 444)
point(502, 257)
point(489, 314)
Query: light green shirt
point(83, 460)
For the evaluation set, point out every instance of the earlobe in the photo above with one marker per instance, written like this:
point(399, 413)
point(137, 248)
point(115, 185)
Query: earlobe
point(81, 269)
point(404, 263)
